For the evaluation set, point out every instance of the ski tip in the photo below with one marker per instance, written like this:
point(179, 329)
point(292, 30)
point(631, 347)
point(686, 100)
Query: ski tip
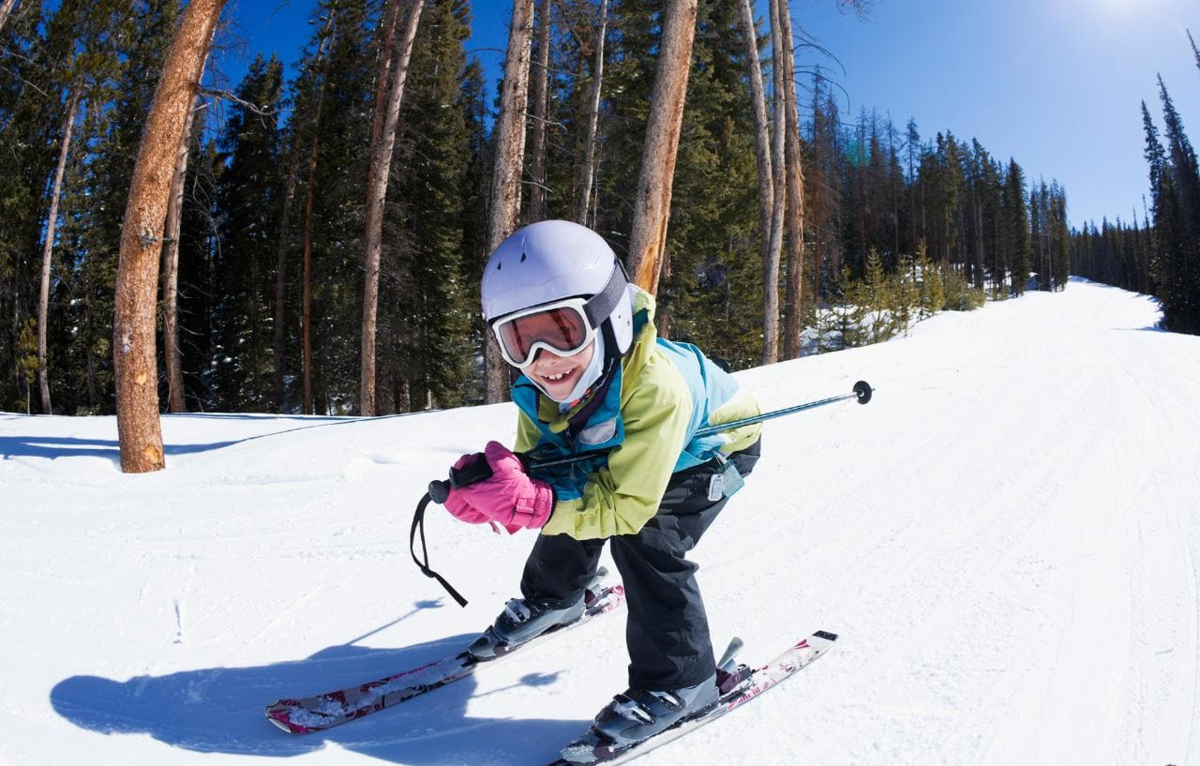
point(825, 635)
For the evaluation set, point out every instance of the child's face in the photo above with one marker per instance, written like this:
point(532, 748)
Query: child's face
point(557, 375)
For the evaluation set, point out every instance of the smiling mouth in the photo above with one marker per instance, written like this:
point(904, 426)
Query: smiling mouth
point(559, 376)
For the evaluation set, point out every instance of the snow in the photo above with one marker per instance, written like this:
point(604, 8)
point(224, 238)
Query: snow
point(1006, 539)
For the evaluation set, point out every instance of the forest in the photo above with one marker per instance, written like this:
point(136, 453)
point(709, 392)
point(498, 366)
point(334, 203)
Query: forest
point(323, 234)
point(1158, 253)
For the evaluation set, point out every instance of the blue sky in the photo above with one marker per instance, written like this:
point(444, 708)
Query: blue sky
point(1054, 83)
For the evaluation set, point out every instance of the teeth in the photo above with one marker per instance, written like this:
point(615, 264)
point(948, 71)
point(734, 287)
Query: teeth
point(559, 376)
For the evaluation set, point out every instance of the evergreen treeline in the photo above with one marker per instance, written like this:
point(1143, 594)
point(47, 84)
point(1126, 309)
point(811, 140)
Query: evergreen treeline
point(871, 187)
point(1161, 255)
point(272, 226)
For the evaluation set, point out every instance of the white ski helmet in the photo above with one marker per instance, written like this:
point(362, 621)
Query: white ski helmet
point(550, 261)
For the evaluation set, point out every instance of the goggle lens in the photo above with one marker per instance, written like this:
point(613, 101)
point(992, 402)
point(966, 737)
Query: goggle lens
point(563, 329)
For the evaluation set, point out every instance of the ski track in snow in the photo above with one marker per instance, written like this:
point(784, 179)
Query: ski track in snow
point(1006, 540)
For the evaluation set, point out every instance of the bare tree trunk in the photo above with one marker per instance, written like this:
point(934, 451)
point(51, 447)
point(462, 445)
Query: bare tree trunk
point(138, 426)
point(289, 196)
point(770, 349)
point(48, 248)
point(5, 9)
point(381, 164)
point(795, 195)
point(652, 206)
point(509, 135)
point(383, 81)
point(285, 219)
point(170, 278)
point(762, 140)
point(541, 110)
point(979, 246)
point(306, 290)
point(589, 162)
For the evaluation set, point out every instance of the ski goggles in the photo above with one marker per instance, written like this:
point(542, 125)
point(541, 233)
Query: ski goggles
point(563, 327)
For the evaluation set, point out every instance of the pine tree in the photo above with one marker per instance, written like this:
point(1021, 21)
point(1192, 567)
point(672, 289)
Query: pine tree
point(852, 311)
point(933, 296)
point(334, 105)
point(1170, 257)
point(198, 278)
point(426, 317)
point(1016, 228)
point(824, 192)
point(56, 71)
point(905, 296)
point(28, 363)
point(1183, 241)
point(913, 150)
point(96, 191)
point(1061, 258)
point(390, 88)
point(473, 192)
point(28, 120)
point(996, 259)
point(878, 299)
point(248, 192)
point(583, 208)
point(950, 190)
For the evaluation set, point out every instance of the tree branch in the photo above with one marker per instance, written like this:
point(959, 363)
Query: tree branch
point(226, 95)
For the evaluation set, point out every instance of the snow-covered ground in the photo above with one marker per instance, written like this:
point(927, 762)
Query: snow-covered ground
point(1006, 540)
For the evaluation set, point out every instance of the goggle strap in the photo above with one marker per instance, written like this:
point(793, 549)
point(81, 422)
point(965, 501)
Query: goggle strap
point(601, 305)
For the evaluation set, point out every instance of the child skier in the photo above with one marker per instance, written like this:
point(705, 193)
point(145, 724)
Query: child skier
point(597, 379)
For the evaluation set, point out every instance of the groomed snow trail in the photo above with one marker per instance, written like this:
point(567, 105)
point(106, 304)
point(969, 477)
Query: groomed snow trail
point(1007, 540)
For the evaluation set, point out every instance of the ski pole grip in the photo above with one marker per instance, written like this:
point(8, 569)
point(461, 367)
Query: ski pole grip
point(477, 471)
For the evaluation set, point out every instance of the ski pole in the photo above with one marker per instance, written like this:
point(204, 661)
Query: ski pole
point(862, 393)
point(481, 471)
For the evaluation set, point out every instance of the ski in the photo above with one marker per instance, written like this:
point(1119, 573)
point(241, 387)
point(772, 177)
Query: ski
point(323, 711)
point(738, 686)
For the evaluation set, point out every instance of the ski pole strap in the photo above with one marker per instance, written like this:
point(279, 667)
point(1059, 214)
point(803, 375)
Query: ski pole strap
point(418, 527)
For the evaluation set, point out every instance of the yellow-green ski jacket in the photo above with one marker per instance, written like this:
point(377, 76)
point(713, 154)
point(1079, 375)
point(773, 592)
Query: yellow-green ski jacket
point(641, 431)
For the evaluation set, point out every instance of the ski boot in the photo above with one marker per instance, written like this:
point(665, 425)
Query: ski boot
point(523, 621)
point(637, 715)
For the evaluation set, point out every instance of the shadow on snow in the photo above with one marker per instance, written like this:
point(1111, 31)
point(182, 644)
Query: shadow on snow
point(220, 710)
point(54, 447)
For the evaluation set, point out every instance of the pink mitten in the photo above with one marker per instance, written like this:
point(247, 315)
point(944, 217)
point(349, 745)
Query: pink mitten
point(458, 504)
point(510, 497)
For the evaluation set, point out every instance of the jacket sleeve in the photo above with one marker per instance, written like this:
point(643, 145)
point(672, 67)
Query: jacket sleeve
point(621, 498)
point(527, 433)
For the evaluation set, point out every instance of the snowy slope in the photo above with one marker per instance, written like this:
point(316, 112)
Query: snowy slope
point(1006, 540)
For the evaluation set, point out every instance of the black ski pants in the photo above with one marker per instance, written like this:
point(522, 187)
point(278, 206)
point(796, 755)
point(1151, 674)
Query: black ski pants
point(667, 629)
